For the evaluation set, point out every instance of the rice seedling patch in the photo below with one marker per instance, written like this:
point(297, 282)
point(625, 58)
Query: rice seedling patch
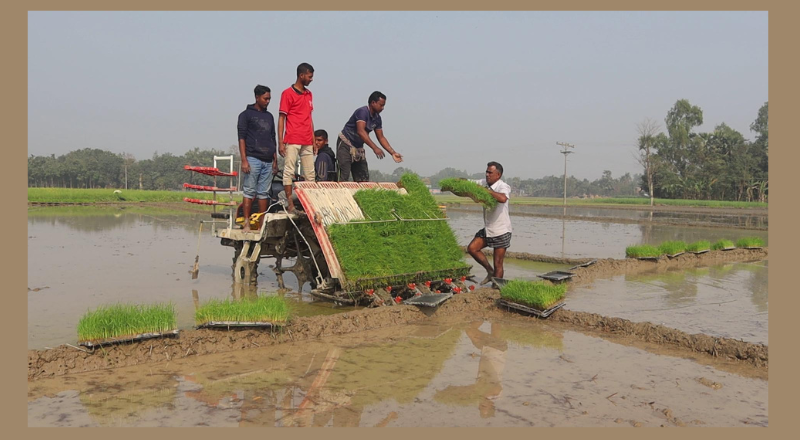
point(723, 245)
point(402, 236)
point(749, 242)
point(120, 322)
point(537, 294)
point(698, 246)
point(672, 248)
point(642, 251)
point(468, 188)
point(260, 311)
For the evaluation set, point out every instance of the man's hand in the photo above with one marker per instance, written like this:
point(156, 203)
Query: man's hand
point(378, 152)
point(397, 157)
point(274, 167)
point(282, 149)
point(246, 167)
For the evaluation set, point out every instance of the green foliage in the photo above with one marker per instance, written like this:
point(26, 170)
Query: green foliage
point(468, 188)
point(672, 247)
point(264, 308)
point(126, 320)
point(722, 244)
point(698, 246)
point(378, 252)
point(70, 195)
point(538, 294)
point(746, 242)
point(640, 251)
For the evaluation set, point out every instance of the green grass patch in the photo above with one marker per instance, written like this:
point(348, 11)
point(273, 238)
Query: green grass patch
point(72, 195)
point(697, 246)
point(537, 294)
point(264, 308)
point(722, 244)
point(640, 251)
point(745, 242)
point(468, 188)
point(376, 254)
point(672, 247)
point(126, 320)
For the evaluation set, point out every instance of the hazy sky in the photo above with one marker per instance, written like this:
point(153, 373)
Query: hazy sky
point(463, 88)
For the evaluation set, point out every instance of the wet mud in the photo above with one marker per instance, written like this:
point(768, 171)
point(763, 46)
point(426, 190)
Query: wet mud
point(479, 304)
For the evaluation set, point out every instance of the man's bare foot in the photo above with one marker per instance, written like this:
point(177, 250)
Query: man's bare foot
point(486, 280)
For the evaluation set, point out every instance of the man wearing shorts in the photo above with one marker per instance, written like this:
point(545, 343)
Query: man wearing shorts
point(296, 129)
point(256, 129)
point(496, 233)
point(350, 145)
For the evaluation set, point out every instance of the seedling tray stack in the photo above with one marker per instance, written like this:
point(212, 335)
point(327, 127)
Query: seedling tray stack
point(537, 298)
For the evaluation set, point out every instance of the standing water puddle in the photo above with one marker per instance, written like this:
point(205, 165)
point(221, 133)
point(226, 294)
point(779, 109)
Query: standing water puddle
point(502, 373)
point(83, 257)
point(729, 301)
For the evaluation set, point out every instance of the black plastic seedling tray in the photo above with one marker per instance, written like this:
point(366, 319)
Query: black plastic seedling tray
point(139, 337)
point(227, 324)
point(700, 252)
point(676, 254)
point(429, 299)
point(531, 310)
point(648, 258)
point(586, 264)
point(557, 275)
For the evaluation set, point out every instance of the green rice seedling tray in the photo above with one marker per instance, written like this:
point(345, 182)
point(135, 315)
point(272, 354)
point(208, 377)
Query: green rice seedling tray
point(403, 279)
point(557, 275)
point(531, 310)
point(675, 255)
point(586, 264)
point(429, 300)
point(139, 337)
point(227, 324)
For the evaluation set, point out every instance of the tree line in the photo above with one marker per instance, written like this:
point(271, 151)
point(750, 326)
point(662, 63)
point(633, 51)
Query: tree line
point(719, 165)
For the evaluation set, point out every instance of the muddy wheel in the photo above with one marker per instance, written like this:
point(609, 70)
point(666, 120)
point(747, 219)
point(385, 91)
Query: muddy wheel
point(242, 276)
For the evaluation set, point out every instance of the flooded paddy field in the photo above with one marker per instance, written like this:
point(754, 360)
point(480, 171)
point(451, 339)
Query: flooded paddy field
point(469, 364)
point(728, 300)
point(589, 239)
point(481, 372)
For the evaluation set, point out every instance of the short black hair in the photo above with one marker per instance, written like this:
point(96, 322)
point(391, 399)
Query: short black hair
point(496, 165)
point(260, 90)
point(304, 68)
point(375, 96)
point(321, 133)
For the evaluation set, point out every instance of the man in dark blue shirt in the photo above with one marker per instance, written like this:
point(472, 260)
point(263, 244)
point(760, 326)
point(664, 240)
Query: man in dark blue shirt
point(350, 145)
point(325, 165)
point(257, 148)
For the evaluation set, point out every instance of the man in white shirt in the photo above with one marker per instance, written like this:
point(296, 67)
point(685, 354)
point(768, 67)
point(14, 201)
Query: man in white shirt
point(497, 224)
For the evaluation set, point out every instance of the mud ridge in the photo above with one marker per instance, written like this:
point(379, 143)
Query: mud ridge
point(480, 304)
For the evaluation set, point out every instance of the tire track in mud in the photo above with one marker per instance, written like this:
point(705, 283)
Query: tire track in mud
point(479, 304)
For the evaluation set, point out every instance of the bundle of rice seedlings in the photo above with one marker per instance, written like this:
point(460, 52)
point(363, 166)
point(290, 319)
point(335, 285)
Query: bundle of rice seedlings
point(749, 242)
point(263, 309)
point(722, 244)
point(699, 246)
point(468, 188)
point(379, 252)
point(122, 321)
point(538, 294)
point(642, 251)
point(672, 247)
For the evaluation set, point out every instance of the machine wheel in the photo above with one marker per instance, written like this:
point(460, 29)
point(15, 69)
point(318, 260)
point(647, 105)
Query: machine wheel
point(248, 271)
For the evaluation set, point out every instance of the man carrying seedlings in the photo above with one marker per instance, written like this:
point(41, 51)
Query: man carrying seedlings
point(350, 145)
point(496, 232)
point(296, 129)
point(256, 128)
point(325, 165)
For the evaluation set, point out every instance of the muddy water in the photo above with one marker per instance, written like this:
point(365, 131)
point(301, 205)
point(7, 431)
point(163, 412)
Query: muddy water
point(729, 301)
point(83, 257)
point(581, 239)
point(481, 373)
point(707, 217)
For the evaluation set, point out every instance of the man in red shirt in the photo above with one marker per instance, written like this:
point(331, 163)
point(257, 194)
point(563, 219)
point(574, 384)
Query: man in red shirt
point(296, 129)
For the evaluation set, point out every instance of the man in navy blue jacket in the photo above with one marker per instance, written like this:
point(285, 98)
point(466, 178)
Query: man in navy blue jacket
point(257, 148)
point(325, 165)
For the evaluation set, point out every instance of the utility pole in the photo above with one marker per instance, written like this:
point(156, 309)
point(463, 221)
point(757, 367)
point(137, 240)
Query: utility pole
point(565, 152)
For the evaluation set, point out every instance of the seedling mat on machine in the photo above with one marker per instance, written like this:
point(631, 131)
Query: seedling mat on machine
point(429, 299)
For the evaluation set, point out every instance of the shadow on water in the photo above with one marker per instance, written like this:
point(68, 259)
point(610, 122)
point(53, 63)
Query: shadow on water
point(480, 373)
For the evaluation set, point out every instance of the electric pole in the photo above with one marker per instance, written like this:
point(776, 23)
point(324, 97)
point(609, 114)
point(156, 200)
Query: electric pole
point(565, 152)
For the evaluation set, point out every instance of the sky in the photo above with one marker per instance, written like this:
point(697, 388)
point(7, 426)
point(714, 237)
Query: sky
point(463, 88)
